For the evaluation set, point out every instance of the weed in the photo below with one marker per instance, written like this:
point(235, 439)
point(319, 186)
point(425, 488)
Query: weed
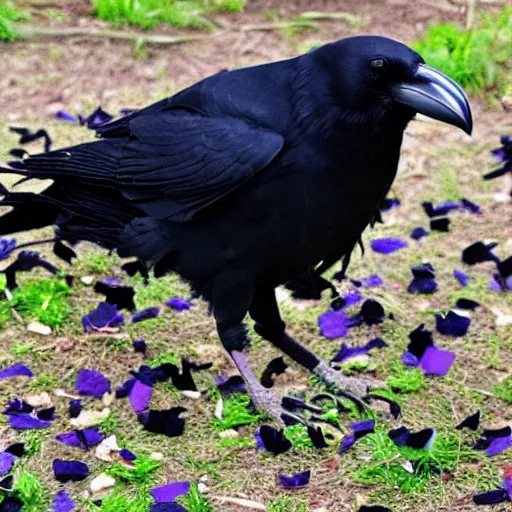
point(43, 382)
point(30, 491)
point(99, 263)
point(478, 59)
point(504, 390)
point(120, 502)
point(236, 412)
point(9, 15)
point(287, 503)
point(405, 380)
point(194, 501)
point(33, 440)
point(43, 300)
point(143, 470)
point(110, 424)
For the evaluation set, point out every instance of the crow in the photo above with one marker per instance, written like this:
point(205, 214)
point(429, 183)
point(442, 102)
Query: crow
point(248, 179)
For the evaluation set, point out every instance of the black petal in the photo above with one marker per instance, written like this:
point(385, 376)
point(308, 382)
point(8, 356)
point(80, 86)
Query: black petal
point(471, 422)
point(276, 367)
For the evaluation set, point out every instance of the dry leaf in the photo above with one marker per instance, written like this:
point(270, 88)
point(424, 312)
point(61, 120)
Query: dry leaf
point(89, 418)
point(39, 328)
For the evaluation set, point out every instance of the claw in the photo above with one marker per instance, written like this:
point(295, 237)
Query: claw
point(394, 408)
point(293, 404)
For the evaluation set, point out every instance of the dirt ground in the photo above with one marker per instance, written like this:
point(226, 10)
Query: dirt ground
point(40, 77)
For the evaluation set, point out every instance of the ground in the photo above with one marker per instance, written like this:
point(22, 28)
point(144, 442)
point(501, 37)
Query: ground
point(438, 163)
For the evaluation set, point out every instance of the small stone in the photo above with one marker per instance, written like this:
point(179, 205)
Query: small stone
point(39, 328)
point(219, 409)
point(108, 399)
point(194, 395)
point(101, 483)
point(229, 433)
point(87, 280)
point(107, 448)
point(156, 456)
point(42, 400)
point(89, 418)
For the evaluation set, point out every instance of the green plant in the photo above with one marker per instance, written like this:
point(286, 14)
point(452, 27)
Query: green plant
point(287, 503)
point(150, 13)
point(405, 380)
point(194, 501)
point(30, 491)
point(298, 435)
point(9, 15)
point(236, 412)
point(120, 502)
point(143, 470)
point(504, 390)
point(110, 424)
point(44, 300)
point(479, 59)
point(44, 382)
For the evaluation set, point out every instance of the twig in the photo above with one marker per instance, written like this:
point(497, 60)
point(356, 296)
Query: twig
point(255, 27)
point(351, 19)
point(470, 14)
point(253, 505)
point(29, 31)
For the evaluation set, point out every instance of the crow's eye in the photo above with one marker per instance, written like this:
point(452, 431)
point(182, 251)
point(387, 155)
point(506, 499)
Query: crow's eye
point(377, 64)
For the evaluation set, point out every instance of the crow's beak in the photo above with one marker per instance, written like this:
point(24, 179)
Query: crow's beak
point(435, 95)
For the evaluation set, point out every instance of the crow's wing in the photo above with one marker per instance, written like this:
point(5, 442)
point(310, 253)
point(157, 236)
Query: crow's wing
point(177, 162)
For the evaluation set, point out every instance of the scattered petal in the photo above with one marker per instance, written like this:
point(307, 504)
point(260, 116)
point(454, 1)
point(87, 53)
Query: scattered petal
point(436, 361)
point(469, 206)
point(116, 294)
point(6, 462)
point(139, 346)
point(62, 502)
point(359, 430)
point(418, 233)
point(478, 253)
point(105, 316)
point(83, 438)
point(105, 450)
point(146, 314)
point(167, 422)
point(272, 440)
point(70, 470)
point(167, 507)
point(472, 422)
point(423, 279)
point(66, 116)
point(387, 245)
point(140, 396)
point(276, 367)
point(442, 224)
point(169, 492)
point(467, 304)
point(27, 422)
point(388, 204)
point(454, 323)
point(499, 445)
point(347, 352)
point(75, 408)
point(229, 385)
point(89, 418)
point(17, 370)
point(178, 304)
point(96, 119)
point(127, 455)
point(371, 313)
point(295, 481)
point(7, 245)
point(92, 383)
point(439, 210)
point(461, 277)
point(333, 324)
point(101, 483)
point(369, 282)
point(421, 440)
point(317, 437)
point(491, 497)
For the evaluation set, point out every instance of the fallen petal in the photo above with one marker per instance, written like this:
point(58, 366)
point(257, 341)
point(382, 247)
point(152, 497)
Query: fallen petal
point(62, 502)
point(472, 422)
point(70, 470)
point(17, 370)
point(169, 492)
point(436, 361)
point(387, 245)
point(92, 383)
point(295, 481)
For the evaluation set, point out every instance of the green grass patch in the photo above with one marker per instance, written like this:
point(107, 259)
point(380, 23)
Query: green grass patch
point(287, 503)
point(237, 412)
point(123, 501)
point(150, 13)
point(194, 501)
point(298, 435)
point(43, 382)
point(479, 59)
point(388, 461)
point(405, 380)
point(44, 300)
point(30, 490)
point(143, 471)
point(10, 14)
point(504, 390)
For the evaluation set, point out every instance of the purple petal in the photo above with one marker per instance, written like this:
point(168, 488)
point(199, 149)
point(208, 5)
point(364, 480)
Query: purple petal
point(363, 427)
point(140, 396)
point(105, 315)
point(26, 422)
point(387, 245)
point(499, 445)
point(436, 361)
point(498, 284)
point(352, 297)
point(453, 324)
point(178, 304)
point(66, 116)
point(461, 277)
point(6, 462)
point(167, 507)
point(478, 253)
point(410, 359)
point(399, 435)
point(347, 442)
point(272, 440)
point(75, 408)
point(16, 370)
point(229, 385)
point(295, 481)
point(333, 324)
point(347, 352)
point(420, 338)
point(166, 422)
point(169, 492)
point(146, 314)
point(442, 224)
point(70, 470)
point(139, 346)
point(96, 119)
point(92, 383)
point(62, 502)
point(372, 281)
point(7, 245)
point(127, 455)
point(388, 204)
point(422, 285)
point(470, 206)
point(83, 438)
point(418, 233)
point(440, 209)
point(125, 389)
point(490, 497)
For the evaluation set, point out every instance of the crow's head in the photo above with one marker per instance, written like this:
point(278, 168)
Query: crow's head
point(374, 75)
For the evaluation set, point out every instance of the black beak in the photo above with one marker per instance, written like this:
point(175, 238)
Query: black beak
point(435, 95)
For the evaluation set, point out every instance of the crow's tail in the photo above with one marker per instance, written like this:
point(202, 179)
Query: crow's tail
point(84, 202)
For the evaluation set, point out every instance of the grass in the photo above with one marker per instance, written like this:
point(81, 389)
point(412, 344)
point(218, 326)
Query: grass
point(405, 380)
point(44, 300)
point(478, 59)
point(30, 490)
point(504, 390)
point(143, 471)
point(194, 501)
point(236, 412)
point(9, 15)
point(287, 503)
point(150, 13)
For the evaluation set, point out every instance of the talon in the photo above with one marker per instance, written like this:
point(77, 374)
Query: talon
point(327, 396)
point(293, 404)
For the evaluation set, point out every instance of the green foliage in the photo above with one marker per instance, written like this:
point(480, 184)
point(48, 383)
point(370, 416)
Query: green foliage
point(298, 435)
point(110, 424)
point(236, 412)
point(194, 501)
point(150, 13)
point(9, 15)
point(405, 380)
point(44, 300)
point(142, 472)
point(478, 60)
point(100, 263)
point(388, 461)
point(120, 502)
point(43, 382)
point(33, 440)
point(30, 491)
point(504, 390)
point(287, 503)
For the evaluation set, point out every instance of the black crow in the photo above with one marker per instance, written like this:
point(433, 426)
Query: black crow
point(247, 180)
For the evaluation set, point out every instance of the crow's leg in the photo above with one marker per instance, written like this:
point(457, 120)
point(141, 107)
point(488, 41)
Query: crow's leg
point(229, 315)
point(265, 312)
